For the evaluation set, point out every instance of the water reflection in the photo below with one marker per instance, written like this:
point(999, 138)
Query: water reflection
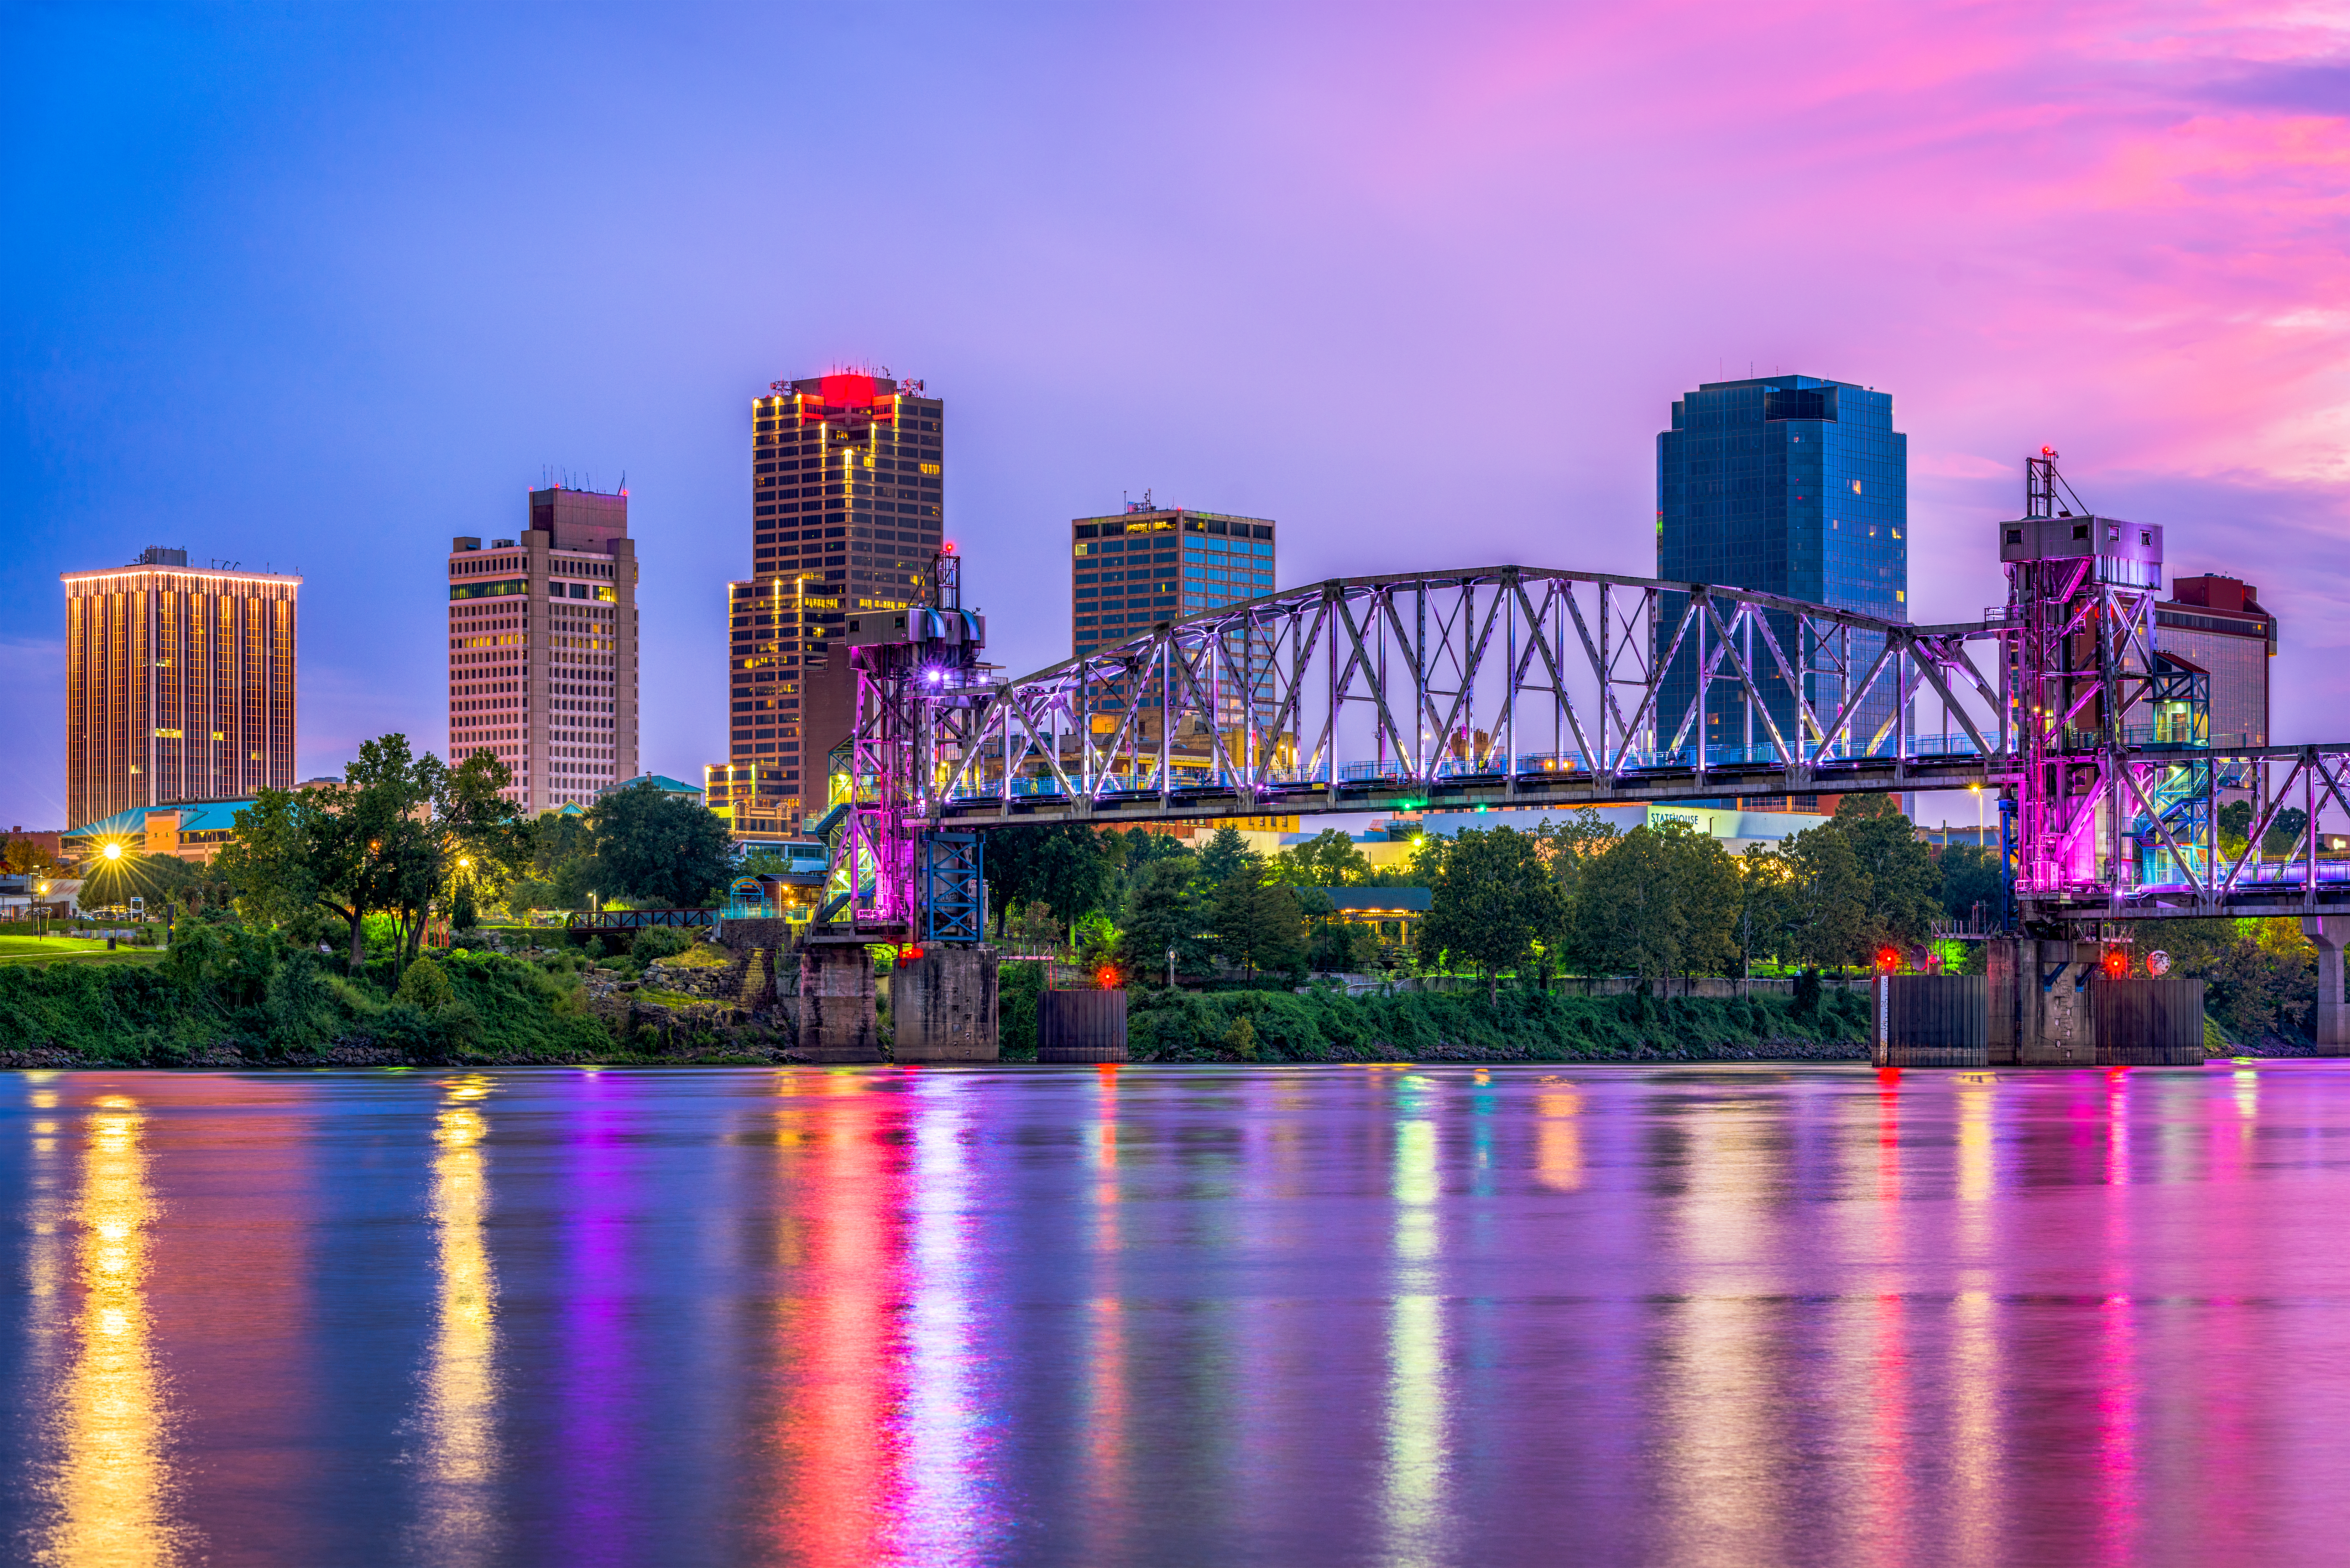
point(459, 1418)
point(113, 1491)
point(1412, 1477)
point(1242, 1317)
point(949, 1516)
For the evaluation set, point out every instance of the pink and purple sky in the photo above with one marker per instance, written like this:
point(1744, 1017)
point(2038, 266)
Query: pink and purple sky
point(321, 286)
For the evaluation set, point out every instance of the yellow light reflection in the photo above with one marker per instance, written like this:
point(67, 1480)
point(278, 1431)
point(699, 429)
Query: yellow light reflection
point(459, 1376)
point(113, 1485)
point(1558, 1140)
point(1719, 1404)
point(1412, 1478)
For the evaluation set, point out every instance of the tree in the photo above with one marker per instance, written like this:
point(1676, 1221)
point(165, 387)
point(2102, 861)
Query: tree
point(2284, 836)
point(1905, 881)
point(1162, 913)
point(1328, 860)
point(1342, 947)
point(2259, 977)
point(27, 857)
point(1628, 917)
point(1969, 877)
point(1224, 855)
point(1766, 903)
point(1258, 924)
point(1828, 901)
point(655, 846)
point(1494, 899)
point(386, 839)
point(1065, 866)
point(1703, 877)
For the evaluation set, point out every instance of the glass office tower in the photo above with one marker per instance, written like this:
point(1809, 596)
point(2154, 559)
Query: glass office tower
point(1792, 486)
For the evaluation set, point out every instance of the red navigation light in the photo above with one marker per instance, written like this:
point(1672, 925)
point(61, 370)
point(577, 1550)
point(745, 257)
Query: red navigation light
point(947, 548)
point(2048, 451)
point(1889, 961)
point(2117, 963)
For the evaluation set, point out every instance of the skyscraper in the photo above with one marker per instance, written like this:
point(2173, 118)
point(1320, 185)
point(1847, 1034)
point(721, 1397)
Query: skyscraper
point(847, 473)
point(1792, 486)
point(543, 649)
point(179, 684)
point(1151, 563)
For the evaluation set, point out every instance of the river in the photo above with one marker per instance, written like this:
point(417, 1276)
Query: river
point(1692, 1314)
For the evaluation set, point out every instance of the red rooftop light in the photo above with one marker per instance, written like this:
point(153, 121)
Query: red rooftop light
point(848, 391)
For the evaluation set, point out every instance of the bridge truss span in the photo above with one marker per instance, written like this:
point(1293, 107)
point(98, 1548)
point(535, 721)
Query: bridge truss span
point(1494, 683)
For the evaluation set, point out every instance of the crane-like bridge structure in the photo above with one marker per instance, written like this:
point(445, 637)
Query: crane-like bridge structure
point(1525, 686)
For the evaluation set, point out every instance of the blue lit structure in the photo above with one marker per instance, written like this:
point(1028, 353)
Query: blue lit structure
point(1792, 486)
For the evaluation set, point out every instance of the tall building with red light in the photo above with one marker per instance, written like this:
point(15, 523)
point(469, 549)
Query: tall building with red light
point(848, 474)
point(179, 684)
point(543, 649)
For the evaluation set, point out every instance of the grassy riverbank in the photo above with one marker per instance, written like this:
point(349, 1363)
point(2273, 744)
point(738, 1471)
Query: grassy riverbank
point(226, 998)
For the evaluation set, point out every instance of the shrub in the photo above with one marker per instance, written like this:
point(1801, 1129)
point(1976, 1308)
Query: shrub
point(425, 987)
point(658, 942)
point(1017, 987)
point(1241, 1039)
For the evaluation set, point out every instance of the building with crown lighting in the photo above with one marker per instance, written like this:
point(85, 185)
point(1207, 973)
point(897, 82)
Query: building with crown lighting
point(543, 649)
point(848, 477)
point(179, 684)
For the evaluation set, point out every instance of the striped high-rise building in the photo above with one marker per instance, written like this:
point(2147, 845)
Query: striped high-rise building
point(543, 649)
point(847, 475)
point(179, 684)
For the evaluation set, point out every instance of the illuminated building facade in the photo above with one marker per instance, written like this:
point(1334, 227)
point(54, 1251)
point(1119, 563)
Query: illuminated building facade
point(847, 475)
point(1151, 564)
point(179, 684)
point(543, 649)
point(1792, 485)
point(2217, 625)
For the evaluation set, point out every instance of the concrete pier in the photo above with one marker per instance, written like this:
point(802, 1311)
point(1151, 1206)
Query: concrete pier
point(942, 1006)
point(837, 995)
point(2329, 934)
point(2052, 1005)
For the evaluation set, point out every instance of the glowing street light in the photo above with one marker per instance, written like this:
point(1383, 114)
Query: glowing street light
point(112, 852)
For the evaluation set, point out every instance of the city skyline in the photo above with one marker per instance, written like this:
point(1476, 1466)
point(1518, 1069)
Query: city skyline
point(317, 344)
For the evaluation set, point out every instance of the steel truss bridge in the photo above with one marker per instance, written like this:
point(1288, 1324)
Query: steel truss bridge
point(1513, 686)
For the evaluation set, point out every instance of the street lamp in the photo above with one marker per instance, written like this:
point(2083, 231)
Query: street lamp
point(1976, 790)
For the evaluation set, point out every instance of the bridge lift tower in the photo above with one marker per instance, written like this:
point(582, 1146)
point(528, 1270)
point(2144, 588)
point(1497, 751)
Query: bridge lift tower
point(897, 880)
point(2112, 772)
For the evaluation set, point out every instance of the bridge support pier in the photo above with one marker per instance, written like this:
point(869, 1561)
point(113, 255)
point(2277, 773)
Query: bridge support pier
point(942, 1006)
point(2041, 1011)
point(2330, 934)
point(837, 1022)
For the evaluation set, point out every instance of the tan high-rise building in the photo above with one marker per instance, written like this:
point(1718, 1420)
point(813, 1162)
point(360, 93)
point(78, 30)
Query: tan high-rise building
point(179, 684)
point(847, 479)
point(543, 649)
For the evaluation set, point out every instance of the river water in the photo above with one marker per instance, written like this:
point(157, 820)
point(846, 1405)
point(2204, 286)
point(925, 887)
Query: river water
point(1178, 1315)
